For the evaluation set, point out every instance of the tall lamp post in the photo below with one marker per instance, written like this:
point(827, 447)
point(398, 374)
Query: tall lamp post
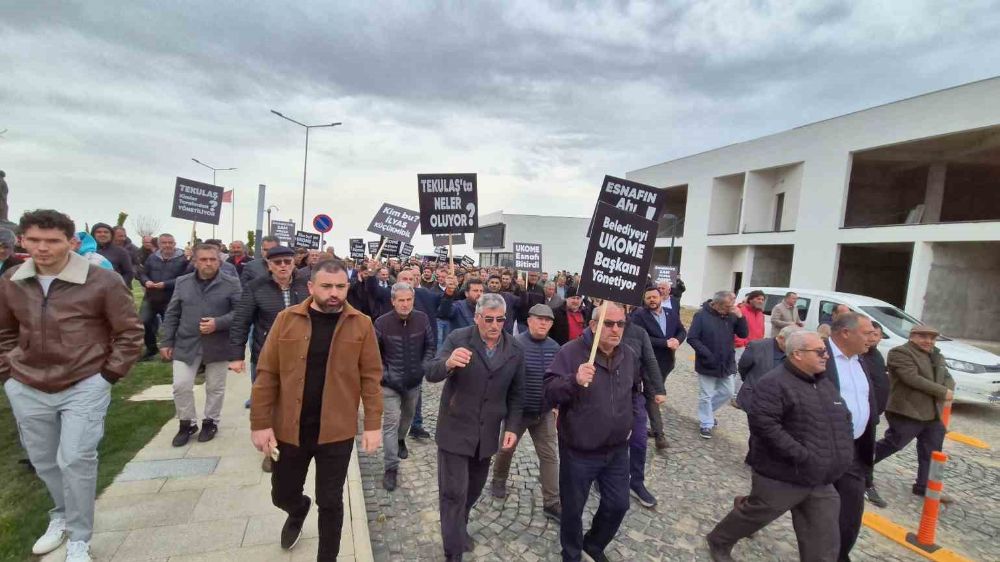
point(305, 162)
point(673, 235)
point(268, 211)
point(214, 170)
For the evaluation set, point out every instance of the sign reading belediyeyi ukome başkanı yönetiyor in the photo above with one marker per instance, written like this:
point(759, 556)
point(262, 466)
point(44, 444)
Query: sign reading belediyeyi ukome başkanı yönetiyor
point(357, 248)
point(618, 256)
point(307, 240)
point(197, 201)
point(395, 223)
point(449, 203)
point(630, 196)
point(527, 257)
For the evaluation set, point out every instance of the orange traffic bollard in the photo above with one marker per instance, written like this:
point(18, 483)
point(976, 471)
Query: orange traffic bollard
point(924, 539)
point(946, 414)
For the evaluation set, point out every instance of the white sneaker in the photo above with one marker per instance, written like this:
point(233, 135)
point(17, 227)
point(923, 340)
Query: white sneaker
point(52, 538)
point(78, 551)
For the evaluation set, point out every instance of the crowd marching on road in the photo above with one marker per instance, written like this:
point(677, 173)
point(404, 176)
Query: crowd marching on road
point(513, 352)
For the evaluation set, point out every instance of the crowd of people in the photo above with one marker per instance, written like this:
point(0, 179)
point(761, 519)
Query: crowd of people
point(515, 352)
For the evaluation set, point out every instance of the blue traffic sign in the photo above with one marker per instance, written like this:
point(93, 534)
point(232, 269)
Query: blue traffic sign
point(322, 223)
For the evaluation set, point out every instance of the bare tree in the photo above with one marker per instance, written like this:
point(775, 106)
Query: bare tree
point(145, 225)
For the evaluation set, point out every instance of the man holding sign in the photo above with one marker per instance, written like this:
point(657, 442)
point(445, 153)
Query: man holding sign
point(595, 402)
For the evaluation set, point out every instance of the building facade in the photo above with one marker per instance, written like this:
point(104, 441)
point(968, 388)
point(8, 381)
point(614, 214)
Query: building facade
point(899, 202)
point(563, 240)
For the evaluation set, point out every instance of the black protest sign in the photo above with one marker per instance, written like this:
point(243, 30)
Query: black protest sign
point(663, 273)
point(373, 247)
point(618, 256)
point(441, 252)
point(468, 262)
point(307, 240)
point(449, 203)
point(406, 250)
point(390, 248)
point(442, 239)
point(633, 197)
point(527, 257)
point(357, 246)
point(197, 201)
point(395, 222)
point(284, 231)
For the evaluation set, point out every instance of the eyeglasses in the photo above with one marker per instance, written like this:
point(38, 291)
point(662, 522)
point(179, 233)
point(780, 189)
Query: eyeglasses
point(494, 319)
point(283, 261)
point(614, 323)
point(822, 352)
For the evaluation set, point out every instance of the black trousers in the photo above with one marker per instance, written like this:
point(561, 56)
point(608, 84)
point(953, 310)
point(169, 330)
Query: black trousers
point(289, 476)
point(149, 313)
point(815, 510)
point(577, 474)
point(851, 487)
point(460, 481)
point(653, 409)
point(902, 430)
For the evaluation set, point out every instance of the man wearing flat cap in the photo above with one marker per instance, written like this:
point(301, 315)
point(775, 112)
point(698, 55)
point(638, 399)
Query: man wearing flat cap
point(919, 389)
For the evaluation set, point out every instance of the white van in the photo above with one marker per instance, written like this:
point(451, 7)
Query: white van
point(976, 371)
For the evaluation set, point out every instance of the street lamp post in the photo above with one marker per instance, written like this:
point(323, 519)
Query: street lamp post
point(673, 235)
point(305, 162)
point(232, 233)
point(268, 211)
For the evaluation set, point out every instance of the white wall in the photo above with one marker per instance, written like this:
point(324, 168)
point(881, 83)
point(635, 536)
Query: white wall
point(825, 150)
point(563, 239)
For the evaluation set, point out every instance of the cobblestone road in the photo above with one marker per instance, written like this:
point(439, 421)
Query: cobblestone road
point(695, 483)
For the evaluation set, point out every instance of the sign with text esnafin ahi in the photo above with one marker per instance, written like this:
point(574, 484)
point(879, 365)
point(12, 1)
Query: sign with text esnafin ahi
point(633, 197)
point(618, 256)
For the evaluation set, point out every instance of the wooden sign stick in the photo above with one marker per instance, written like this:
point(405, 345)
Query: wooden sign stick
point(380, 248)
point(597, 335)
point(451, 255)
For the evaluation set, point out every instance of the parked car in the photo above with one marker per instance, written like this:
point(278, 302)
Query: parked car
point(976, 371)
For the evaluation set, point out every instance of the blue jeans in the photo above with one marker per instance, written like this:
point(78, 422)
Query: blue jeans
point(713, 393)
point(443, 328)
point(577, 474)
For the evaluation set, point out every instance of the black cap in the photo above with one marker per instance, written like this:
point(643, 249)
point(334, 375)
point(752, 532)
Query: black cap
point(280, 251)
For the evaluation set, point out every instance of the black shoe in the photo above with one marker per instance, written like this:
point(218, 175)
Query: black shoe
point(149, 356)
point(419, 433)
point(719, 552)
point(498, 489)
point(470, 544)
point(706, 432)
point(639, 492)
point(187, 429)
point(208, 431)
point(872, 495)
point(292, 529)
point(553, 512)
point(661, 442)
point(945, 498)
point(389, 479)
point(403, 451)
point(594, 554)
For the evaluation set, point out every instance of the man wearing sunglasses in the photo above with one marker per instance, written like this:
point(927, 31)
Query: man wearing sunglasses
point(802, 443)
point(596, 414)
point(482, 368)
point(263, 298)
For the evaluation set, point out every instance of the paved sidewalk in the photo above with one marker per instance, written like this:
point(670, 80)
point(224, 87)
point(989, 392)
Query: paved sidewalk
point(209, 501)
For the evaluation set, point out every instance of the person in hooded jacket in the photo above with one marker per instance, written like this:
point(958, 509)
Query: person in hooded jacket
point(711, 335)
point(121, 260)
point(85, 245)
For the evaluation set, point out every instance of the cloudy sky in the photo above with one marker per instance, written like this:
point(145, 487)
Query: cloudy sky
point(105, 103)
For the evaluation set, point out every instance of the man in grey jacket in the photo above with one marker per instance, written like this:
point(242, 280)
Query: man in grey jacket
point(195, 333)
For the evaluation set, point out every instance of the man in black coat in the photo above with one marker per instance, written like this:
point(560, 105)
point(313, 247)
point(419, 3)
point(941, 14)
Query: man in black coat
point(849, 336)
point(571, 318)
point(711, 336)
point(802, 443)
point(483, 370)
point(875, 366)
point(120, 259)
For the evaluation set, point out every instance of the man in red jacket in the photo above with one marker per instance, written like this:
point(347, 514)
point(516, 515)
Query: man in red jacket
point(753, 311)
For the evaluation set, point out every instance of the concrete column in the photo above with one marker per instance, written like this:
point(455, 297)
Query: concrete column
point(934, 196)
point(916, 285)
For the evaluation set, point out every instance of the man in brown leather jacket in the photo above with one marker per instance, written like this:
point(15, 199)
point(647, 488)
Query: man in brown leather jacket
point(68, 331)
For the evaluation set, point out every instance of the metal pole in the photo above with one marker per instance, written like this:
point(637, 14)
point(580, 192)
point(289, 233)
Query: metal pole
point(232, 209)
point(305, 163)
point(670, 255)
point(260, 221)
point(220, 202)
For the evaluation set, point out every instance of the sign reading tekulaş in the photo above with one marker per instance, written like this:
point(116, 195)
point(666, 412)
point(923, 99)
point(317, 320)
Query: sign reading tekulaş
point(527, 257)
point(618, 256)
point(448, 203)
point(197, 201)
point(632, 197)
point(395, 223)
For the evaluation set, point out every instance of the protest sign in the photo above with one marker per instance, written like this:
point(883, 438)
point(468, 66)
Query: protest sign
point(197, 201)
point(390, 247)
point(527, 257)
point(467, 262)
point(284, 231)
point(373, 247)
point(406, 250)
point(663, 273)
point(448, 203)
point(357, 246)
point(633, 197)
point(442, 239)
point(441, 252)
point(307, 240)
point(618, 256)
point(395, 222)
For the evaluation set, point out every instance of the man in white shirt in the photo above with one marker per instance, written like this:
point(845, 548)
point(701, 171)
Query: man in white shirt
point(848, 340)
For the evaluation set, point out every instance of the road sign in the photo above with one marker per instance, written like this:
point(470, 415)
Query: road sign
point(322, 223)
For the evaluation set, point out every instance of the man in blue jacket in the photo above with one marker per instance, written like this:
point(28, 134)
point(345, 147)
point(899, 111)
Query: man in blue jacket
point(711, 336)
point(666, 333)
point(595, 402)
point(461, 313)
point(158, 276)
